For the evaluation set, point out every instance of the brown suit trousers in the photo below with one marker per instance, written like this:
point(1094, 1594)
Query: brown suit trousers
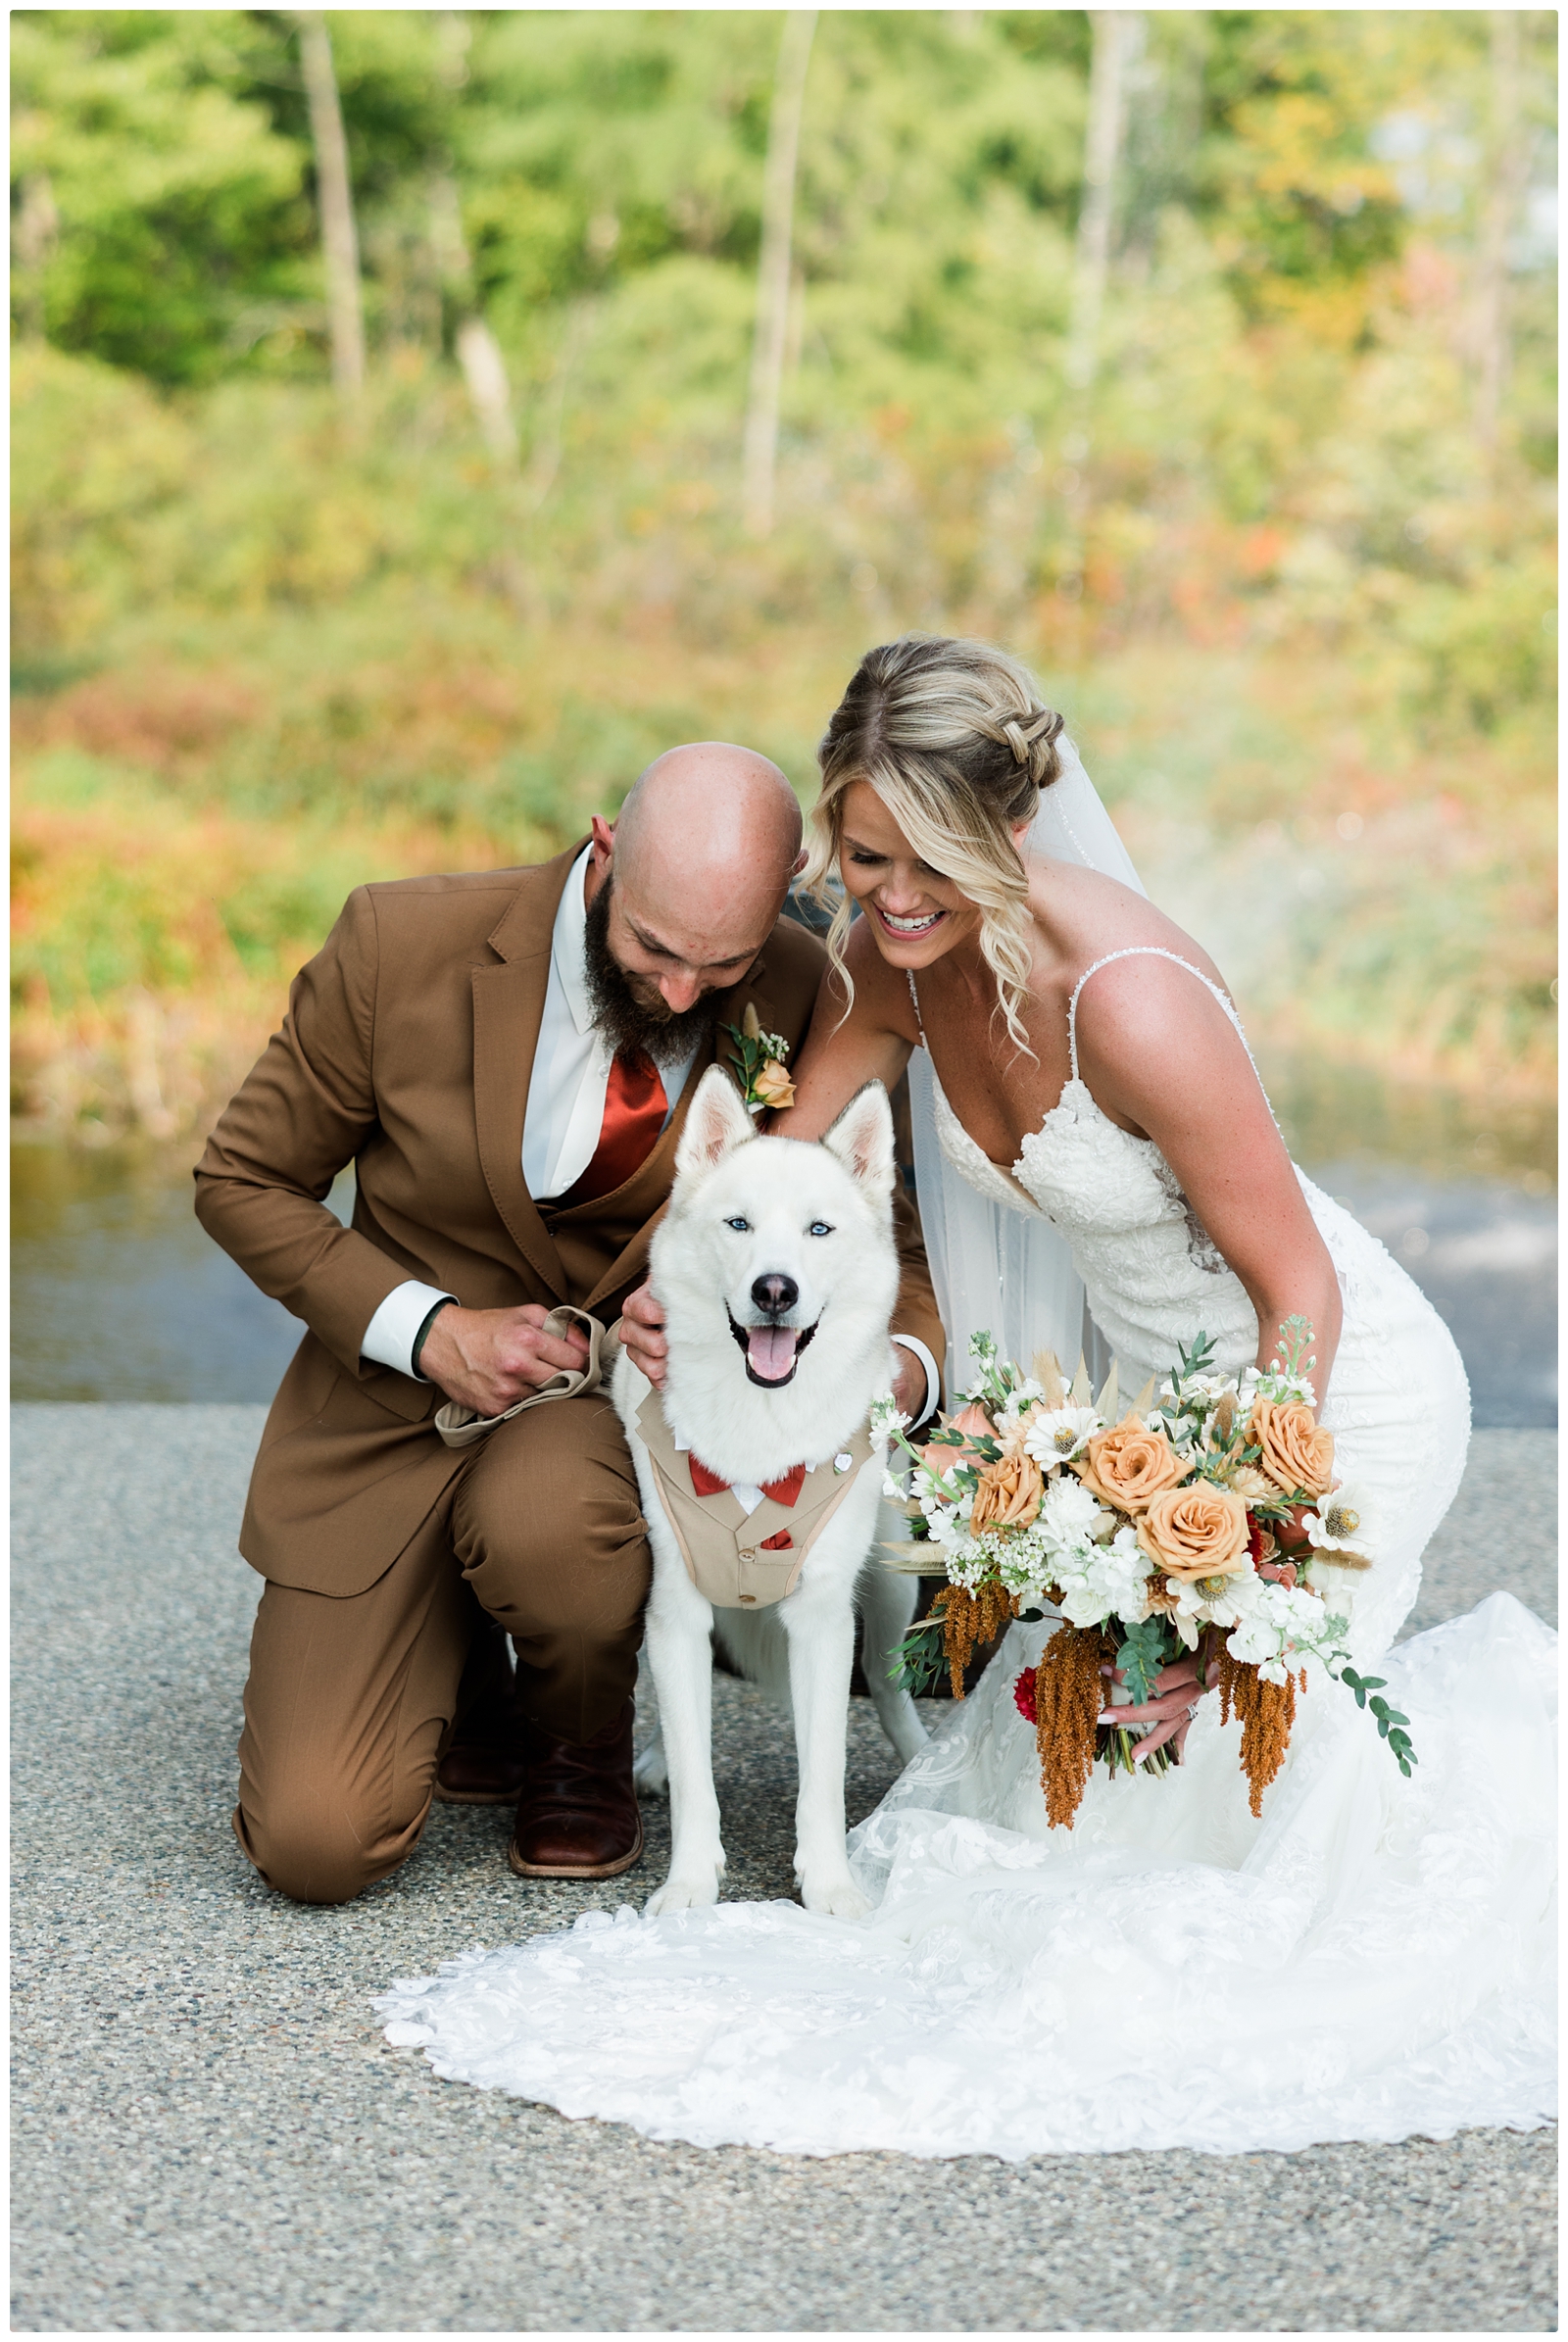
point(407, 1050)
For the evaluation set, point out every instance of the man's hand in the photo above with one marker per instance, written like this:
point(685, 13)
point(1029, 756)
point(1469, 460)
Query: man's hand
point(488, 1359)
point(909, 1383)
point(642, 1334)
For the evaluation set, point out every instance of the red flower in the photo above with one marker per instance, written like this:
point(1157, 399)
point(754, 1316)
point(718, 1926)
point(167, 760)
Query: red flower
point(1023, 1695)
point(1273, 1572)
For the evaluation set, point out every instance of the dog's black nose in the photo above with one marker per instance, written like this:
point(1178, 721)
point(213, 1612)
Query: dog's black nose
point(776, 1294)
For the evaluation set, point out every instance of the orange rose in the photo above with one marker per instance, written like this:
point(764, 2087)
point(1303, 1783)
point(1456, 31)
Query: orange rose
point(1129, 1467)
point(774, 1085)
point(975, 1424)
point(1296, 1453)
point(1199, 1532)
point(1008, 1495)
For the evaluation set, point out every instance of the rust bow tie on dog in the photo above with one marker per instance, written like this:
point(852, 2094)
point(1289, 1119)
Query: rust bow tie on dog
point(783, 1492)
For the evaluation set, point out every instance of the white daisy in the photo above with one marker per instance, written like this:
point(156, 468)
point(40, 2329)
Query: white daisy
point(1212, 1601)
point(1346, 1520)
point(1058, 1434)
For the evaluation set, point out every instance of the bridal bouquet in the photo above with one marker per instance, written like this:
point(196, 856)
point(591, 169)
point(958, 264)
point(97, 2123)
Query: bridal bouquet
point(1190, 1525)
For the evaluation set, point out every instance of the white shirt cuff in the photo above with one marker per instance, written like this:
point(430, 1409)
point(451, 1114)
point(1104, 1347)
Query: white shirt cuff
point(933, 1381)
point(388, 1338)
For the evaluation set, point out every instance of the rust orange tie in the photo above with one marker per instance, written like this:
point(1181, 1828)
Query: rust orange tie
point(635, 1107)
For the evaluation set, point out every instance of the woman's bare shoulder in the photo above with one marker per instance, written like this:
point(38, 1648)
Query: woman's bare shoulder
point(1087, 916)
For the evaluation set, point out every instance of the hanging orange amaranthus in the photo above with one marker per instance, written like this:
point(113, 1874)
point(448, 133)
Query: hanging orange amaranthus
point(1266, 1711)
point(1069, 1696)
point(968, 1618)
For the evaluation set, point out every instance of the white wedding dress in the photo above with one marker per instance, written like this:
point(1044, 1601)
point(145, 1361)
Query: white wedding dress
point(1372, 1959)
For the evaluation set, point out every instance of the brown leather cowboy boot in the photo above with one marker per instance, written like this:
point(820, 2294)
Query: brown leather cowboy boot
point(482, 1763)
point(577, 1816)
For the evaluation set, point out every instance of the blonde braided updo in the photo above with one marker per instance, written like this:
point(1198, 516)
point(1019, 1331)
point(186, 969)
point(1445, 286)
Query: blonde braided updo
point(952, 736)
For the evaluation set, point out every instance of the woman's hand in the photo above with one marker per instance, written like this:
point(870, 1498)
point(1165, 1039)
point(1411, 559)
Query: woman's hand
point(1177, 1688)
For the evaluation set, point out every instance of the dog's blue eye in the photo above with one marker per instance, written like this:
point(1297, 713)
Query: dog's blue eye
point(820, 1228)
point(740, 1227)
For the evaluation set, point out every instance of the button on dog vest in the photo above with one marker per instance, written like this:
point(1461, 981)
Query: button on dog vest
point(709, 1528)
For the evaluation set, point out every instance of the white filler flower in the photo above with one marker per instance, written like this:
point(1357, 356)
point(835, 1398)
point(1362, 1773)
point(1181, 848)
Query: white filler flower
point(1069, 1515)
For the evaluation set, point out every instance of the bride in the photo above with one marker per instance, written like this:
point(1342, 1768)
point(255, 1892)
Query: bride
point(1369, 1960)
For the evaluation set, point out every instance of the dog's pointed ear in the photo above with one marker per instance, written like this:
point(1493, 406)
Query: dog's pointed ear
point(716, 1125)
point(862, 1138)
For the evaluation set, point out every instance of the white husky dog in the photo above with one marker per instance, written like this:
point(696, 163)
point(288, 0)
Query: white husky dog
point(777, 1271)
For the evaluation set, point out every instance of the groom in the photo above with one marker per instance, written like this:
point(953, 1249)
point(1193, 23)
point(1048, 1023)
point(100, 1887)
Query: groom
point(506, 1058)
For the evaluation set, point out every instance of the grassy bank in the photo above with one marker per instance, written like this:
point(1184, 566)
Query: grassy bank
point(266, 653)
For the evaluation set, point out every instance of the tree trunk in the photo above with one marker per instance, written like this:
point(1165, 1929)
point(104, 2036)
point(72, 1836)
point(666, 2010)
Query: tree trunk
point(484, 370)
point(340, 247)
point(478, 353)
point(1101, 148)
point(1505, 180)
point(34, 231)
point(773, 270)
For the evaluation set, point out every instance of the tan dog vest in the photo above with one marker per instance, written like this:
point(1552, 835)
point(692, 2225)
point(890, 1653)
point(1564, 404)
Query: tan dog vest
point(721, 1542)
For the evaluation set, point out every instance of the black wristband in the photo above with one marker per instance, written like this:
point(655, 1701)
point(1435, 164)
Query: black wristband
point(446, 1302)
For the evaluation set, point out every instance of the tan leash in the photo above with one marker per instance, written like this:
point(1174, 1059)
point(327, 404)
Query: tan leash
point(462, 1427)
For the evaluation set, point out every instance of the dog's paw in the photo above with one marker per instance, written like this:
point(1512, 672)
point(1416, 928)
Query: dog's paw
point(683, 1894)
point(650, 1771)
point(835, 1898)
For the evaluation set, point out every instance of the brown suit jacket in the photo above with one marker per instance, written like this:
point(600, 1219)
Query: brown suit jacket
point(407, 1050)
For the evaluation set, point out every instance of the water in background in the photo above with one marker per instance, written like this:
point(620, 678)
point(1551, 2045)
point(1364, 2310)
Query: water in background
point(117, 1294)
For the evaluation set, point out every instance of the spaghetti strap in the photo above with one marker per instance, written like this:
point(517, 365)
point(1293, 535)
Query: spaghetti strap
point(1151, 952)
point(915, 998)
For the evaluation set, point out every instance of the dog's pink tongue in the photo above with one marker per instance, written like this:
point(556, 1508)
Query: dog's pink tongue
point(772, 1350)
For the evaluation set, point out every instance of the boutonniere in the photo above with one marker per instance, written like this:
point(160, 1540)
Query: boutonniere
point(759, 1059)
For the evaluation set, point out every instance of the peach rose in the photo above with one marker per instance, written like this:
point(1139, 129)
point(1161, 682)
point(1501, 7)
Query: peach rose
point(1296, 1453)
point(1199, 1532)
point(1008, 1495)
point(1129, 1467)
point(975, 1424)
point(774, 1085)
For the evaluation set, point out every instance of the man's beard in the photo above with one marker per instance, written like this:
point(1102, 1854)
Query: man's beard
point(629, 1024)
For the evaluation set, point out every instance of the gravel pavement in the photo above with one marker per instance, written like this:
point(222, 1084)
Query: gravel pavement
point(210, 2134)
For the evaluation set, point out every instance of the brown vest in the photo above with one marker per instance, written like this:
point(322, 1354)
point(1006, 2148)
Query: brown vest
point(721, 1542)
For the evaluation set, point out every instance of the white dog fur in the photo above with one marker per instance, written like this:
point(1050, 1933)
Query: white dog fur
point(745, 1208)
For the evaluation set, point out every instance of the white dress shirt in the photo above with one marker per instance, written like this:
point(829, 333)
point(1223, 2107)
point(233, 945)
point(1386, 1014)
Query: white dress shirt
point(561, 1124)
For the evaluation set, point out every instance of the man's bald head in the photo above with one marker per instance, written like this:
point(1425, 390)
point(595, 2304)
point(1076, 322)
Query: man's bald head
point(701, 859)
point(723, 814)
